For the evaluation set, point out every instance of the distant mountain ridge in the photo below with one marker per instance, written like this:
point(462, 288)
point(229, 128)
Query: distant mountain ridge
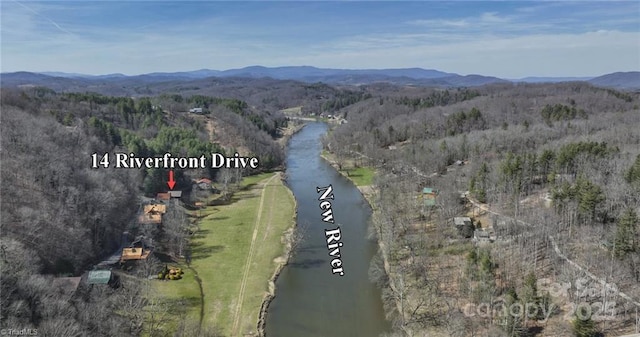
point(304, 73)
point(630, 79)
point(309, 74)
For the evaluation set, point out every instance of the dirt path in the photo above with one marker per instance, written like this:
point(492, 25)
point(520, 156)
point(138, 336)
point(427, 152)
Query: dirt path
point(211, 129)
point(247, 265)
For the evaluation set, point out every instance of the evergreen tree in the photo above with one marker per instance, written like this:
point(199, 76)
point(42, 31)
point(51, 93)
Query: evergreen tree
point(632, 176)
point(626, 240)
point(584, 327)
point(511, 323)
point(590, 196)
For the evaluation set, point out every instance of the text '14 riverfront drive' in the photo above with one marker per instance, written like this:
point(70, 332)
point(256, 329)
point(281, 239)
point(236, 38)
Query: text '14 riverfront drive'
point(167, 161)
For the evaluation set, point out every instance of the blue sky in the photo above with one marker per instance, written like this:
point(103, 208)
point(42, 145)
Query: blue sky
point(504, 39)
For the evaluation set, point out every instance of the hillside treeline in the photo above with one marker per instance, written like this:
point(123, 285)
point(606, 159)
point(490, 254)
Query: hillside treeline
point(152, 126)
point(510, 147)
point(60, 216)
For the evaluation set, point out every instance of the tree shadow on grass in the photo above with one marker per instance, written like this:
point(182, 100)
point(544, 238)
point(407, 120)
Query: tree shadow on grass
point(164, 258)
point(351, 174)
point(232, 200)
point(248, 187)
point(199, 252)
point(219, 218)
point(200, 234)
point(179, 306)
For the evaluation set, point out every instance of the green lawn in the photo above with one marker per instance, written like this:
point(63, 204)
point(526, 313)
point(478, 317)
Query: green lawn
point(361, 176)
point(221, 247)
point(180, 297)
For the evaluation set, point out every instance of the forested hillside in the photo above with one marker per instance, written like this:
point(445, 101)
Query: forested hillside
point(60, 216)
point(551, 173)
point(546, 171)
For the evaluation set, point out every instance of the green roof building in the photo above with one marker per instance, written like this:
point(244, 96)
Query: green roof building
point(99, 277)
point(429, 190)
point(429, 196)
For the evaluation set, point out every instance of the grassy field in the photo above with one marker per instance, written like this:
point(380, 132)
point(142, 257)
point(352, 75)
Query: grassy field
point(233, 253)
point(292, 111)
point(361, 176)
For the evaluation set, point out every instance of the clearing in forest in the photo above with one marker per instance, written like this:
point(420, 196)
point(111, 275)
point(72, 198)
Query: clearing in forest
point(234, 252)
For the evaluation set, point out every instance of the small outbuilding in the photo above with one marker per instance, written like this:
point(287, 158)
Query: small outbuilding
point(99, 277)
point(163, 196)
point(480, 235)
point(464, 225)
point(462, 221)
point(429, 196)
point(203, 184)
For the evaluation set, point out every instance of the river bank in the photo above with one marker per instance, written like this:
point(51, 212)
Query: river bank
point(235, 251)
point(287, 238)
point(369, 194)
point(309, 295)
point(280, 261)
point(292, 128)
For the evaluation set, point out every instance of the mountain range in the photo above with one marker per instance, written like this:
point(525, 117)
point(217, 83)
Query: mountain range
point(404, 76)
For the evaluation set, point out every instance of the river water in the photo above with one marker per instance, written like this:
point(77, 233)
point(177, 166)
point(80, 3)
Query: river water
point(310, 300)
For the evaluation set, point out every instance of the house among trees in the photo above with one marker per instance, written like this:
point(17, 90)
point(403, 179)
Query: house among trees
point(134, 253)
point(155, 208)
point(152, 214)
point(163, 196)
point(203, 184)
point(462, 221)
point(464, 225)
point(196, 110)
point(480, 235)
point(99, 277)
point(138, 250)
point(429, 196)
point(175, 194)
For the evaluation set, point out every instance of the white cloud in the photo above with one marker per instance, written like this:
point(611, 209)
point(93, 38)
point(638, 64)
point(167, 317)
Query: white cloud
point(439, 23)
point(493, 18)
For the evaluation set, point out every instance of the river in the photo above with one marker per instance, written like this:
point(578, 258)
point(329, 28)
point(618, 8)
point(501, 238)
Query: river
point(310, 300)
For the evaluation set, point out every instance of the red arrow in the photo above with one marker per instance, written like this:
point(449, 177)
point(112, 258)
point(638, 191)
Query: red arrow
point(171, 182)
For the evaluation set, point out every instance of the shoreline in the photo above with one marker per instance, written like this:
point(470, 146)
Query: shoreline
point(281, 261)
point(289, 132)
point(286, 240)
point(367, 193)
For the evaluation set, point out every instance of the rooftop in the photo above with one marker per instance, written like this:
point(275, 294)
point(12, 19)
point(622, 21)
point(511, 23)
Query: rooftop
point(157, 208)
point(150, 218)
point(429, 190)
point(99, 277)
point(462, 220)
point(134, 254)
point(163, 196)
